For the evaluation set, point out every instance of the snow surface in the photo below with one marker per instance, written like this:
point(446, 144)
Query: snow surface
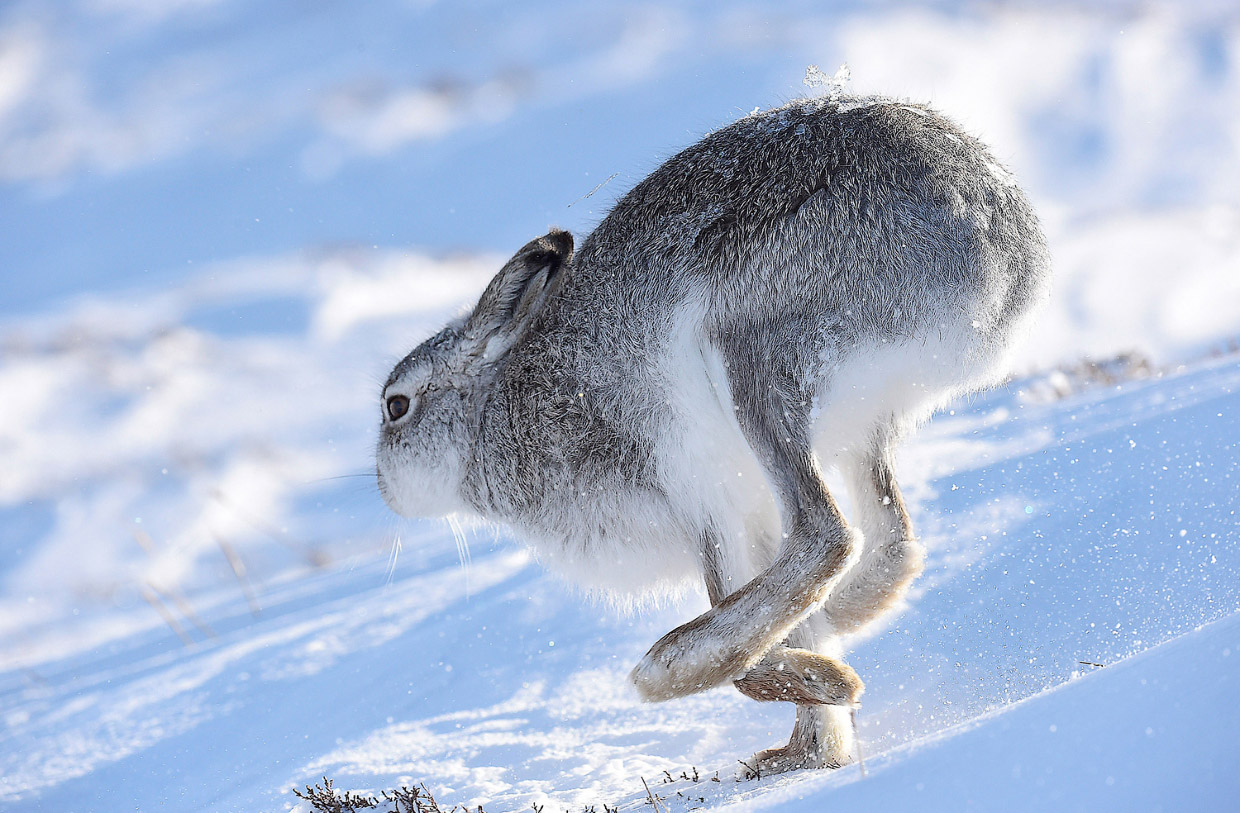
point(1084, 530)
point(1145, 735)
point(209, 207)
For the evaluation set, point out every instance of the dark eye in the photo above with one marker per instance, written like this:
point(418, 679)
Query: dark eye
point(397, 406)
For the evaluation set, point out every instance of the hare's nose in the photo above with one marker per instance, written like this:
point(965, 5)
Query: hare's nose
point(397, 406)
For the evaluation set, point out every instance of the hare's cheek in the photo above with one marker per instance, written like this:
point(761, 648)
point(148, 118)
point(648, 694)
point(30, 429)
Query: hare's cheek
point(398, 488)
point(416, 481)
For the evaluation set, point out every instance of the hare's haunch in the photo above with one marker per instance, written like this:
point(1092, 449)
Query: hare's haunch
point(796, 291)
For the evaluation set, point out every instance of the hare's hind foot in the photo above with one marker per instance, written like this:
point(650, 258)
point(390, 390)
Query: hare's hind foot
point(787, 758)
point(802, 677)
point(822, 738)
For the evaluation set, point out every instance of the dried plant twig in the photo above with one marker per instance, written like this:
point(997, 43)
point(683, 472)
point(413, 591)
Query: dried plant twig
point(185, 607)
point(857, 739)
point(651, 798)
point(238, 569)
point(166, 614)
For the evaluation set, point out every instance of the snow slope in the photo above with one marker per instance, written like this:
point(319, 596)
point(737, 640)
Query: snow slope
point(1149, 733)
point(206, 273)
point(1089, 529)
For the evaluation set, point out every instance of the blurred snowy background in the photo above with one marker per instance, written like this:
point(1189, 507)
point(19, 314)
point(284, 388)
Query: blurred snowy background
point(224, 220)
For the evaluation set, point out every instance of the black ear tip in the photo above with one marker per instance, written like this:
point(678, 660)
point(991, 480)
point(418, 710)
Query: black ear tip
point(559, 242)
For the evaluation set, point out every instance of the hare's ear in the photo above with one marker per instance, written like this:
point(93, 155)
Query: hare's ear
point(517, 292)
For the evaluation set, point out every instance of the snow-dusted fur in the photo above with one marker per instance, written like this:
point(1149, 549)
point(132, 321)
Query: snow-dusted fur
point(793, 292)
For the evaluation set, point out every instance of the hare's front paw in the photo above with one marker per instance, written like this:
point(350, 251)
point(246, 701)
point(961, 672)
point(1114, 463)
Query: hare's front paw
point(802, 677)
point(691, 658)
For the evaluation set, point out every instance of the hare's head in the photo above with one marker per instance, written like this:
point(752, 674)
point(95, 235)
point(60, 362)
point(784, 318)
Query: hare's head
point(433, 399)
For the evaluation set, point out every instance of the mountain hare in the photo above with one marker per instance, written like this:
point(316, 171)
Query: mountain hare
point(795, 291)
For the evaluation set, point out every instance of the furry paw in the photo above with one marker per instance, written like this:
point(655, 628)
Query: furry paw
point(802, 677)
point(823, 737)
point(691, 658)
point(907, 560)
point(787, 758)
point(876, 585)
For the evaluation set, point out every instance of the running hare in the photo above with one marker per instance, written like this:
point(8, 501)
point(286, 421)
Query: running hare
point(793, 292)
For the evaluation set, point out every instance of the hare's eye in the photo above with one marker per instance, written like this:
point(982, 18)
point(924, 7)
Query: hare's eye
point(397, 406)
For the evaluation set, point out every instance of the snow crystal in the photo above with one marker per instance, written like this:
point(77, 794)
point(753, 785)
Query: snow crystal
point(831, 87)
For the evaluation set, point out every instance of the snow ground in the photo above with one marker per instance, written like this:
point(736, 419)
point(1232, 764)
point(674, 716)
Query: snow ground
point(1144, 735)
point(206, 275)
point(1086, 529)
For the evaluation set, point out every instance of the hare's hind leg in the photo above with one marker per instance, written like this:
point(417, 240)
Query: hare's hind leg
point(891, 558)
point(823, 735)
point(731, 638)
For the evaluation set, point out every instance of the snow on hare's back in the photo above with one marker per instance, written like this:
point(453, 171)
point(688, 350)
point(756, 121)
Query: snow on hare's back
point(795, 291)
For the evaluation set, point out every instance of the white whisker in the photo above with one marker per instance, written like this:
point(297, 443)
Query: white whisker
point(392, 557)
point(462, 546)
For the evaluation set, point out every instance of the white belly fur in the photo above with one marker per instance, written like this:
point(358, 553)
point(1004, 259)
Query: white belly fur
point(625, 546)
